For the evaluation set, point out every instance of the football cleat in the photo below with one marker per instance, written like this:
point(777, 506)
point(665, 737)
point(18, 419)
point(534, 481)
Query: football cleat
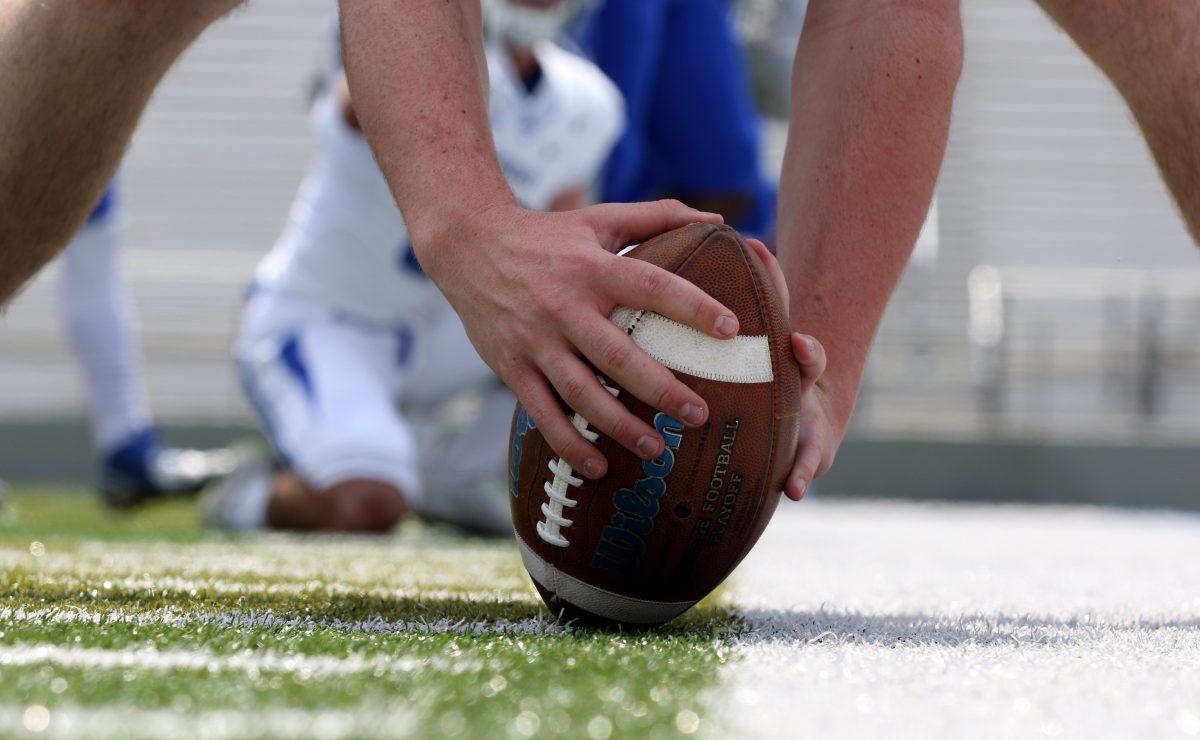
point(143, 469)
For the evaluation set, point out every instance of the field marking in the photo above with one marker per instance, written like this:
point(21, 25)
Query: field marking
point(297, 564)
point(72, 721)
point(223, 586)
point(541, 624)
point(246, 661)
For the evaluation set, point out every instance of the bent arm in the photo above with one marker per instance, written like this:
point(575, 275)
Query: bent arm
point(419, 80)
point(74, 79)
point(533, 290)
point(873, 85)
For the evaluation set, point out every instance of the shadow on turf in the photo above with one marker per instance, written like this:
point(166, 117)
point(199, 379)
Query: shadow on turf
point(825, 627)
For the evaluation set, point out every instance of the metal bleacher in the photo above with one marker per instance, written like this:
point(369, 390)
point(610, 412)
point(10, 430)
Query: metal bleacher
point(1049, 183)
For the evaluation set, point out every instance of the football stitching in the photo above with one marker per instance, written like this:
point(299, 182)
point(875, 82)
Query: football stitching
point(550, 529)
point(633, 324)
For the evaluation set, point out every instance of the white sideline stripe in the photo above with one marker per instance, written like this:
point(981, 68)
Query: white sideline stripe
point(744, 359)
point(596, 600)
point(117, 721)
point(539, 625)
point(151, 659)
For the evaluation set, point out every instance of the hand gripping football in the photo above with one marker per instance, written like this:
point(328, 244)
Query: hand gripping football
point(652, 538)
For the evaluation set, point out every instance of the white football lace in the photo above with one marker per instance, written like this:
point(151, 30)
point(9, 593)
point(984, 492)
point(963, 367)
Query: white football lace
point(550, 530)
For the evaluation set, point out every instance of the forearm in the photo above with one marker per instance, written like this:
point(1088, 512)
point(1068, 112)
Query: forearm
point(1151, 52)
point(873, 85)
point(74, 79)
point(419, 80)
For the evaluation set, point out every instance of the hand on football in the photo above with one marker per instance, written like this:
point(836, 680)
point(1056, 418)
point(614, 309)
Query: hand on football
point(534, 291)
point(820, 433)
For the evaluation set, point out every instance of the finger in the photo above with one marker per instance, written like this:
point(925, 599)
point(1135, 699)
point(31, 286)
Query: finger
point(810, 354)
point(629, 223)
point(808, 462)
point(616, 355)
point(641, 285)
point(583, 392)
point(773, 269)
point(556, 429)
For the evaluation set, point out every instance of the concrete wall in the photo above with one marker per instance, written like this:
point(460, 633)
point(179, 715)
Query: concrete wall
point(1149, 476)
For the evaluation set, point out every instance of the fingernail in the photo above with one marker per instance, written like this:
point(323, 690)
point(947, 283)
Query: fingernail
point(802, 486)
point(692, 414)
point(647, 446)
point(811, 344)
point(725, 326)
point(591, 468)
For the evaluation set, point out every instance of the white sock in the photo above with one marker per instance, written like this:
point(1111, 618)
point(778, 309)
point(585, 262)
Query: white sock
point(101, 324)
point(245, 506)
point(465, 467)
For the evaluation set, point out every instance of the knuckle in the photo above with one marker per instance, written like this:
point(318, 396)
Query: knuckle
point(592, 263)
point(666, 397)
point(524, 339)
point(573, 390)
point(615, 355)
point(540, 414)
point(653, 281)
point(588, 214)
point(621, 429)
point(574, 449)
point(552, 301)
point(505, 368)
point(543, 415)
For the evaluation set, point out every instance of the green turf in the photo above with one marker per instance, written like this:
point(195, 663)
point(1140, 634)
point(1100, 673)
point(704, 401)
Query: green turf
point(149, 624)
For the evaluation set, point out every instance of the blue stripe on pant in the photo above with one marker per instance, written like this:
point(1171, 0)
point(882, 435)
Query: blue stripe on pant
point(291, 358)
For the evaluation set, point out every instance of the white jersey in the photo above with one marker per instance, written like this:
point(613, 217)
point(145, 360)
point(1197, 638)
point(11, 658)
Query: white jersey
point(346, 245)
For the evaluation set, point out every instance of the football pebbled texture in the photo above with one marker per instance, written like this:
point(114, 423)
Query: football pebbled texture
point(650, 539)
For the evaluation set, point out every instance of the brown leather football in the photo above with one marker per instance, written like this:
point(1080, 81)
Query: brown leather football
point(652, 538)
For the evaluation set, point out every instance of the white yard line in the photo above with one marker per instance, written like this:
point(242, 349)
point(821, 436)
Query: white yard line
point(401, 562)
point(404, 568)
point(905, 620)
point(376, 624)
point(162, 724)
point(168, 584)
point(246, 661)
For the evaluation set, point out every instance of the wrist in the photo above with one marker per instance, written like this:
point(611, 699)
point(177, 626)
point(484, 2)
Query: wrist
point(451, 227)
point(840, 400)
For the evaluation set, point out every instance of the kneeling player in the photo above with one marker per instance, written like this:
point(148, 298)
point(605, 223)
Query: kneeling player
point(362, 375)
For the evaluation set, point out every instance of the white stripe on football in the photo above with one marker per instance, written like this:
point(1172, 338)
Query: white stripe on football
point(743, 359)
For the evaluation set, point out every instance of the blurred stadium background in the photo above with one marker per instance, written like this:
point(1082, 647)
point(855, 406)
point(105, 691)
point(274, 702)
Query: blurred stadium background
point(1041, 347)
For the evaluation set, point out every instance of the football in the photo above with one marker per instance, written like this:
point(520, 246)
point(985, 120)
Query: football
point(650, 539)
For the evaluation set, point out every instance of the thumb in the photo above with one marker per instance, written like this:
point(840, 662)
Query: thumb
point(620, 224)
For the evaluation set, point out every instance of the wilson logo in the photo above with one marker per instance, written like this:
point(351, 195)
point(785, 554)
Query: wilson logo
point(524, 424)
point(623, 541)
